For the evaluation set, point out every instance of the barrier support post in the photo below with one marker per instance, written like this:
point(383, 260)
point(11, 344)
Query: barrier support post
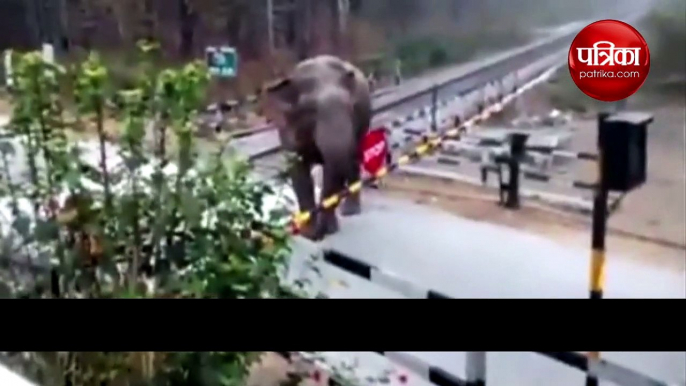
point(599, 231)
point(434, 108)
point(476, 368)
point(517, 150)
point(599, 227)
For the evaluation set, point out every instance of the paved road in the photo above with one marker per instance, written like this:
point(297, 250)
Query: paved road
point(470, 259)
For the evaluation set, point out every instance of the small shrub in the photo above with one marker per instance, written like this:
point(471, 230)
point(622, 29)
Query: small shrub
point(665, 31)
point(438, 57)
point(432, 51)
point(102, 221)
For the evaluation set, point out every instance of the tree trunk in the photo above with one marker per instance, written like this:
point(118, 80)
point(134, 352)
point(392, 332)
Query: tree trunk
point(148, 20)
point(334, 6)
point(187, 19)
point(303, 28)
point(32, 20)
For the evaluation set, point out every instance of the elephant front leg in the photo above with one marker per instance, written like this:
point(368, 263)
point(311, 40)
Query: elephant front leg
point(303, 186)
point(327, 222)
point(352, 204)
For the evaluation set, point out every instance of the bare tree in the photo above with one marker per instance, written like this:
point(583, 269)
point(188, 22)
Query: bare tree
point(187, 20)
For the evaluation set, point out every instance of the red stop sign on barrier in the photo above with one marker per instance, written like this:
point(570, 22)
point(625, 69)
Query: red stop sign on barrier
point(374, 150)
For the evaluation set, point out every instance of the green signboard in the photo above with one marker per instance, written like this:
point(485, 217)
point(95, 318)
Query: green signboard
point(222, 61)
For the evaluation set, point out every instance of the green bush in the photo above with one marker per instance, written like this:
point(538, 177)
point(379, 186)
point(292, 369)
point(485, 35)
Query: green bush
point(165, 225)
point(665, 31)
point(438, 57)
point(428, 52)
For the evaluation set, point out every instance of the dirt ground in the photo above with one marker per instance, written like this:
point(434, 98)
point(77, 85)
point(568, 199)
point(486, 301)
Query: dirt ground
point(480, 204)
point(657, 209)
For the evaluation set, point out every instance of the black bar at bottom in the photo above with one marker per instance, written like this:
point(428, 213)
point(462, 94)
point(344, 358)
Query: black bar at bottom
point(591, 381)
point(348, 264)
point(440, 377)
point(436, 295)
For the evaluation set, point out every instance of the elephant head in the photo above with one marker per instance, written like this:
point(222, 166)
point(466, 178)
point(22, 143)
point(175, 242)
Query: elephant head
point(315, 94)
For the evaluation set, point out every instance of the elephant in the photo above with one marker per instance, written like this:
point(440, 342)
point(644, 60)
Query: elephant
point(322, 110)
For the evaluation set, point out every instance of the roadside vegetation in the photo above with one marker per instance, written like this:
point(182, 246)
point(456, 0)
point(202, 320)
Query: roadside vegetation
point(665, 31)
point(423, 34)
point(131, 219)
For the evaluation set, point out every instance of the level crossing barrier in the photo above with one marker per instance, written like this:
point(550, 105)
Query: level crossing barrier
point(512, 160)
point(376, 275)
point(429, 142)
point(622, 167)
point(621, 163)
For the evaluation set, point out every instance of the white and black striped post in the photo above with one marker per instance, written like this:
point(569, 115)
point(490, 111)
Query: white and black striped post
point(376, 275)
point(476, 368)
point(517, 151)
point(9, 73)
point(434, 109)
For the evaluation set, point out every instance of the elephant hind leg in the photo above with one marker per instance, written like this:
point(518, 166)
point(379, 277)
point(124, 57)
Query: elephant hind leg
point(352, 205)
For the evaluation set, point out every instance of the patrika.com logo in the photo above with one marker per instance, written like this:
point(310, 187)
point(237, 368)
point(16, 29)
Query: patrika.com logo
point(609, 60)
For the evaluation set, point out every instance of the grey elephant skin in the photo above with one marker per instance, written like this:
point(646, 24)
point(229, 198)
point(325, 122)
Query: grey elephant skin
point(322, 110)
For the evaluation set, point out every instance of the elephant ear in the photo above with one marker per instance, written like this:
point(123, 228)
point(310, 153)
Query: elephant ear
point(284, 93)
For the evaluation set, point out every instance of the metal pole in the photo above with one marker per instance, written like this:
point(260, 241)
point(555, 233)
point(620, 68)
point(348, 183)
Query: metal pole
point(517, 150)
point(270, 24)
point(476, 368)
point(434, 109)
point(59, 33)
point(599, 229)
point(32, 22)
point(598, 236)
point(343, 10)
point(39, 14)
point(9, 75)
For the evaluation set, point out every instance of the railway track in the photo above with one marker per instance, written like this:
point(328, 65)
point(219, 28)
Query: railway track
point(475, 80)
point(417, 95)
point(454, 92)
point(268, 158)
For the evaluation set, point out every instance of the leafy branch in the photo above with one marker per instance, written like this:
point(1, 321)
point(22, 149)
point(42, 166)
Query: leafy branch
point(97, 219)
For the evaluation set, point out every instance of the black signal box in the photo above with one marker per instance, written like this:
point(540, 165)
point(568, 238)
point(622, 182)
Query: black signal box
point(518, 145)
point(623, 146)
